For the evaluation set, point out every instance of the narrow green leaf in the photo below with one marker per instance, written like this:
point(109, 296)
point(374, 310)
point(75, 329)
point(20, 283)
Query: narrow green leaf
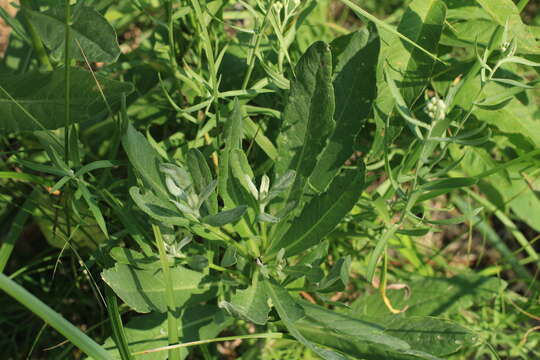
point(94, 208)
point(450, 183)
point(145, 160)
point(144, 289)
point(225, 217)
point(202, 177)
point(290, 312)
point(156, 208)
point(54, 319)
point(89, 30)
point(355, 62)
point(321, 214)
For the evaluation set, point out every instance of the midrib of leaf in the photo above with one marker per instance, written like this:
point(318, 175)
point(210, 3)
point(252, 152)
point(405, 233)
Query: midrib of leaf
point(309, 136)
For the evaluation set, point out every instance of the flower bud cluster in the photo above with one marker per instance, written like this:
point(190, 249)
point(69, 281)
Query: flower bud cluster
point(436, 108)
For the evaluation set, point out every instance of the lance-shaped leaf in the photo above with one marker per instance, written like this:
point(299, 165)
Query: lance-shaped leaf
point(35, 101)
point(144, 289)
point(202, 178)
point(90, 32)
point(145, 160)
point(307, 118)
point(322, 214)
point(250, 304)
point(355, 62)
point(225, 217)
point(146, 332)
point(392, 337)
point(290, 312)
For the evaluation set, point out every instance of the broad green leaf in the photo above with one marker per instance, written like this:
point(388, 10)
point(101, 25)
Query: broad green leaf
point(145, 160)
point(149, 331)
point(307, 118)
point(134, 258)
point(144, 289)
point(156, 208)
point(231, 139)
point(35, 101)
point(506, 13)
point(321, 214)
point(411, 68)
point(290, 312)
point(89, 30)
point(250, 304)
point(427, 296)
point(202, 177)
point(355, 59)
point(225, 217)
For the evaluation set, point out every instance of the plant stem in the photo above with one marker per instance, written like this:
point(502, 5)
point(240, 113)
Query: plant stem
point(522, 4)
point(67, 93)
point(208, 341)
point(117, 327)
point(54, 319)
point(172, 321)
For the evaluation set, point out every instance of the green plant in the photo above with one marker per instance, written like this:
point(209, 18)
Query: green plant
point(248, 165)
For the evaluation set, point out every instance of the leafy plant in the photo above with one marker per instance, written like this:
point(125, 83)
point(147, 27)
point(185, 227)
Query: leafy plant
point(257, 208)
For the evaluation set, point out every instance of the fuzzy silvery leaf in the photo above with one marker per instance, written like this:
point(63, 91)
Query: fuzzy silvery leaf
point(179, 175)
point(252, 188)
point(284, 182)
point(265, 217)
point(225, 217)
point(207, 191)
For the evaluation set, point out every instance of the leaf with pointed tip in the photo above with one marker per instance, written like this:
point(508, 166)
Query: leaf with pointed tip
point(157, 209)
point(290, 312)
point(144, 289)
point(355, 62)
point(202, 178)
point(321, 214)
point(249, 304)
point(307, 118)
point(225, 217)
point(145, 160)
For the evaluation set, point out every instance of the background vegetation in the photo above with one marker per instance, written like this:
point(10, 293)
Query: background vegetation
point(467, 251)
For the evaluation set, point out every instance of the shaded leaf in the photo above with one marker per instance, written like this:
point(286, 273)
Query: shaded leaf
point(249, 304)
point(355, 62)
point(89, 29)
point(144, 289)
point(157, 209)
point(41, 95)
point(321, 215)
point(225, 217)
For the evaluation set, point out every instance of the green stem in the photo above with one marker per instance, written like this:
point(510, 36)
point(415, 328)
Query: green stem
point(67, 81)
point(36, 40)
point(522, 4)
point(208, 341)
point(54, 319)
point(117, 327)
point(172, 321)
